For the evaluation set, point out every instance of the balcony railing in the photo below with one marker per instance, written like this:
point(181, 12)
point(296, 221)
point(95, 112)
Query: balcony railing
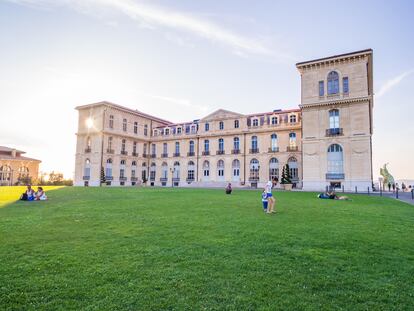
point(86, 177)
point(253, 178)
point(292, 148)
point(191, 154)
point(190, 179)
point(153, 155)
point(254, 150)
point(206, 153)
point(235, 151)
point(176, 179)
point(122, 178)
point(152, 178)
point(334, 132)
point(176, 154)
point(109, 178)
point(111, 151)
point(274, 149)
point(144, 155)
point(218, 152)
point(88, 150)
point(134, 178)
point(335, 176)
point(164, 155)
point(163, 179)
point(135, 154)
point(124, 152)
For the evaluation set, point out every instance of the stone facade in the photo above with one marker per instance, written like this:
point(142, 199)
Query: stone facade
point(15, 168)
point(247, 150)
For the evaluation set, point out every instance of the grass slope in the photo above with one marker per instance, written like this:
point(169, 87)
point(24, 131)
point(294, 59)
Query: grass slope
point(176, 249)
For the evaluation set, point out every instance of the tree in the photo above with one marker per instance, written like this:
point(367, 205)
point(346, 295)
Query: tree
point(55, 178)
point(286, 178)
point(103, 178)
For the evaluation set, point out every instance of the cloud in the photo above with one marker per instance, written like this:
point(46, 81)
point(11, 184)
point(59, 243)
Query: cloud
point(391, 83)
point(152, 15)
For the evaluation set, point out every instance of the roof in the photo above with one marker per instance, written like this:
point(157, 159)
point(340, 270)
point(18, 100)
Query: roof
point(137, 112)
point(18, 158)
point(7, 149)
point(335, 56)
point(274, 112)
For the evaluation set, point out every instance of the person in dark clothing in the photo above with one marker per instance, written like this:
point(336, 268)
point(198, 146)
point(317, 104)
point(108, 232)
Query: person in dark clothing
point(229, 189)
point(389, 187)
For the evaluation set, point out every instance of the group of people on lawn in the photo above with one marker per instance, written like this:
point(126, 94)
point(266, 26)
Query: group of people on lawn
point(31, 195)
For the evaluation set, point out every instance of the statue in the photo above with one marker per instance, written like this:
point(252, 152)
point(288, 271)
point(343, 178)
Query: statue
point(387, 176)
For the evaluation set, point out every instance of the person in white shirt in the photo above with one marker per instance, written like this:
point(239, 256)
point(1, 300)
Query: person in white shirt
point(270, 199)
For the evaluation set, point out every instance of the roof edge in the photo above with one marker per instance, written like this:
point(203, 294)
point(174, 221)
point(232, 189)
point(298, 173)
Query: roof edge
point(366, 51)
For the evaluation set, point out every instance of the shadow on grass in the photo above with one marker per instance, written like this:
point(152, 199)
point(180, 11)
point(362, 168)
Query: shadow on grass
point(9, 196)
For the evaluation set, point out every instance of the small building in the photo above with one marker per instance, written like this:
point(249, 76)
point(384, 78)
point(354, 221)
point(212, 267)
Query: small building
point(15, 168)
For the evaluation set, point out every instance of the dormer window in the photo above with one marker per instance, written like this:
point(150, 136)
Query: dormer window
point(167, 131)
point(274, 121)
point(179, 130)
point(333, 83)
point(255, 122)
point(221, 125)
point(292, 118)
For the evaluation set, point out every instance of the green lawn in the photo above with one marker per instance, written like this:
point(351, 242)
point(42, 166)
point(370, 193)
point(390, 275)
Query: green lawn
point(178, 249)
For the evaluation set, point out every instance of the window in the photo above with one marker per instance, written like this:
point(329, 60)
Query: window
point(134, 169)
point(193, 129)
point(206, 145)
point(220, 170)
point(88, 142)
point(273, 169)
point(136, 127)
point(221, 125)
point(335, 159)
point(122, 169)
point(23, 173)
point(167, 132)
point(134, 149)
point(254, 169)
point(108, 170)
point(292, 118)
point(292, 139)
point(273, 142)
point(153, 170)
point(110, 143)
point(235, 166)
point(345, 85)
point(221, 144)
point(165, 148)
point(87, 169)
point(179, 130)
point(190, 171)
point(333, 83)
point(124, 125)
point(144, 150)
point(177, 148)
point(146, 130)
point(236, 124)
point(254, 142)
point(206, 170)
point(255, 122)
point(176, 170)
point(144, 172)
point(164, 170)
point(321, 88)
point(153, 149)
point(123, 144)
point(274, 121)
point(236, 143)
point(191, 146)
point(207, 127)
point(334, 119)
point(293, 168)
point(111, 121)
point(5, 173)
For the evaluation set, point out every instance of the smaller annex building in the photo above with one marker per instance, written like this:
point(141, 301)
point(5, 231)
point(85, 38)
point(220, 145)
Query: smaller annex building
point(15, 168)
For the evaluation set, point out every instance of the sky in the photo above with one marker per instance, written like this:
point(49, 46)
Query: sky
point(181, 60)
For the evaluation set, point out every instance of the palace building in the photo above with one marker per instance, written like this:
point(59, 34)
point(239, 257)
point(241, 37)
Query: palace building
point(326, 141)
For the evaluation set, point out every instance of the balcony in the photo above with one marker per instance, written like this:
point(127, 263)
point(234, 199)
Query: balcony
point(135, 154)
point(109, 178)
point(274, 149)
point(164, 155)
point(134, 178)
point(153, 155)
point(123, 152)
point(144, 155)
point(191, 154)
point(152, 178)
point(86, 177)
point(123, 178)
point(292, 148)
point(235, 151)
point(176, 179)
point(254, 178)
point(191, 179)
point(88, 150)
point(335, 176)
point(163, 179)
point(334, 132)
point(206, 153)
point(254, 150)
point(219, 152)
point(176, 154)
point(111, 151)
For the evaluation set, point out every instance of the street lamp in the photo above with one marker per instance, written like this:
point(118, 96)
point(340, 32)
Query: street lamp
point(172, 170)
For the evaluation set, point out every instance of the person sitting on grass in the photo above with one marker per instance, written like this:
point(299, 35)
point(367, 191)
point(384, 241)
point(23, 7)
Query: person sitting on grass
point(331, 195)
point(40, 195)
point(229, 189)
point(28, 195)
point(264, 201)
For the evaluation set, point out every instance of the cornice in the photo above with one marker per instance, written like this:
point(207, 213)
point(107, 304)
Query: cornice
point(336, 102)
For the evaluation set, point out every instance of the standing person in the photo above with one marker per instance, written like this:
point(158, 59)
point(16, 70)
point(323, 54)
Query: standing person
point(270, 199)
point(389, 187)
point(393, 187)
point(403, 187)
point(264, 201)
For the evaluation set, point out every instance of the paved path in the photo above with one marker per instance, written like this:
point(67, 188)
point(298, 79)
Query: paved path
point(402, 196)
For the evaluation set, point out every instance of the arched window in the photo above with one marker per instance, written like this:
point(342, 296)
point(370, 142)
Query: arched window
point(254, 170)
point(108, 169)
point(87, 168)
point(293, 168)
point(221, 125)
point(254, 144)
point(335, 159)
point(220, 170)
point(122, 170)
point(206, 170)
point(111, 121)
point(235, 167)
point(23, 172)
point(273, 143)
point(334, 119)
point(164, 171)
point(190, 171)
point(191, 148)
point(236, 145)
point(292, 139)
point(124, 125)
point(153, 170)
point(5, 173)
point(333, 83)
point(144, 172)
point(221, 144)
point(273, 169)
point(176, 170)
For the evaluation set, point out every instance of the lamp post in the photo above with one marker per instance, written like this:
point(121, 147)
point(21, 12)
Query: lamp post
point(172, 170)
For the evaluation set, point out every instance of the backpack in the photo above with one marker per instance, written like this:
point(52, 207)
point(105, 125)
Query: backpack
point(24, 197)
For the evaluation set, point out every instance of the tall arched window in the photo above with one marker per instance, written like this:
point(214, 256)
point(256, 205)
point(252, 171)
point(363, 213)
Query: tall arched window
point(206, 170)
point(254, 144)
point(273, 143)
point(220, 170)
point(23, 172)
point(176, 170)
point(153, 170)
point(335, 159)
point(108, 169)
point(144, 172)
point(221, 144)
point(293, 168)
point(164, 171)
point(122, 169)
point(134, 170)
point(87, 169)
point(333, 83)
point(334, 119)
point(190, 171)
point(235, 167)
point(273, 169)
point(254, 170)
point(236, 144)
point(5, 173)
